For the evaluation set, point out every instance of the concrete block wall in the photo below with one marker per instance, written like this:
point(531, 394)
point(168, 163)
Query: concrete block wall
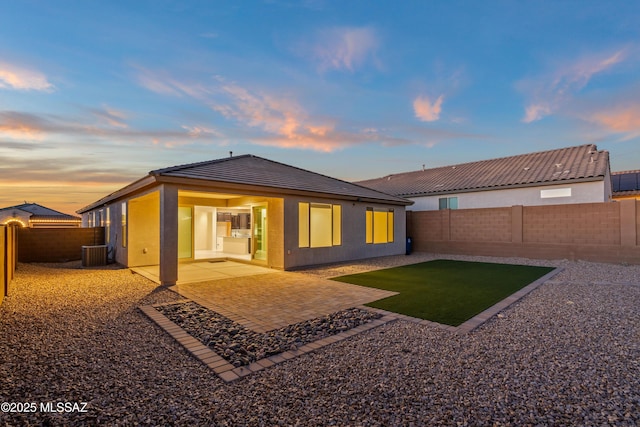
point(601, 232)
point(56, 244)
point(481, 225)
point(584, 223)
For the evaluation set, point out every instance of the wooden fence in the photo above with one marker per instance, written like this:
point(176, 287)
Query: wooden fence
point(8, 258)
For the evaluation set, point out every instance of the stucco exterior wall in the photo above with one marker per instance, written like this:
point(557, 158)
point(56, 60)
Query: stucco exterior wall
point(584, 192)
point(143, 243)
point(353, 227)
point(15, 216)
point(283, 252)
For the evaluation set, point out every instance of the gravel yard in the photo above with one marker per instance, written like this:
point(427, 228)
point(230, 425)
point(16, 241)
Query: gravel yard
point(566, 354)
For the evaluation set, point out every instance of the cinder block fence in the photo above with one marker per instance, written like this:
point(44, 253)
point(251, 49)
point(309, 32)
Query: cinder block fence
point(600, 232)
point(56, 244)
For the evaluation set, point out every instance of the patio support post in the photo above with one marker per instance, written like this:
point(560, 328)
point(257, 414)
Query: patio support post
point(168, 235)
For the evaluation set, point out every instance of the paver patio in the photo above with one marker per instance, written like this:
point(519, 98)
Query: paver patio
point(270, 300)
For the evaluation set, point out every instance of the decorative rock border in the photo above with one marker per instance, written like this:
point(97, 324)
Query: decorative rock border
point(226, 371)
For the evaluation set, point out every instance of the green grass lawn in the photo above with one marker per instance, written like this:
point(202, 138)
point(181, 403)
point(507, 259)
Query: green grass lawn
point(445, 291)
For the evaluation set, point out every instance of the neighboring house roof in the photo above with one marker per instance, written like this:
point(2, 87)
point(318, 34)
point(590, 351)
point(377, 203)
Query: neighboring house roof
point(39, 212)
point(581, 163)
point(254, 171)
point(626, 183)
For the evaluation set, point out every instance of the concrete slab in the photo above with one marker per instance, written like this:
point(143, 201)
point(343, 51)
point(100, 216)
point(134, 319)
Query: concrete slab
point(271, 300)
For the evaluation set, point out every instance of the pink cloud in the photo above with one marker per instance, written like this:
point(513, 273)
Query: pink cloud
point(19, 78)
point(550, 92)
point(622, 119)
point(427, 111)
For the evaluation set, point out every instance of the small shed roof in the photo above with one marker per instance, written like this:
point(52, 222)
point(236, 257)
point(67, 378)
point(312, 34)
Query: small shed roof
point(580, 163)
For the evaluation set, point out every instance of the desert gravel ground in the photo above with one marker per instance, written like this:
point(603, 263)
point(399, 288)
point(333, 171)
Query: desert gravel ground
point(566, 354)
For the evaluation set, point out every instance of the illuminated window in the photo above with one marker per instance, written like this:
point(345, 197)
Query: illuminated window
point(107, 226)
point(319, 225)
point(379, 225)
point(124, 224)
point(448, 203)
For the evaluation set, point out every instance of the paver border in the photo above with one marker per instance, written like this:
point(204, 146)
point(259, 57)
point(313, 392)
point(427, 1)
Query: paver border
point(479, 318)
point(226, 371)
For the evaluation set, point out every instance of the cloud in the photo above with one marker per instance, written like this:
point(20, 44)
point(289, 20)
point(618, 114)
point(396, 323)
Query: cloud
point(110, 116)
point(535, 112)
point(278, 120)
point(345, 48)
point(550, 92)
point(19, 78)
point(623, 119)
point(427, 111)
point(110, 127)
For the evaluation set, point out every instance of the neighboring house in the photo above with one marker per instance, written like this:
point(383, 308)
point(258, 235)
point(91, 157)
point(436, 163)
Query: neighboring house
point(568, 175)
point(626, 185)
point(250, 208)
point(33, 215)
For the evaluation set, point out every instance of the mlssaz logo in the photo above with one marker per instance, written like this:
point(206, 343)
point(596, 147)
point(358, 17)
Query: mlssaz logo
point(63, 407)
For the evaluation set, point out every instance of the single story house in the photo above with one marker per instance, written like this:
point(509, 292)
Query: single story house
point(248, 208)
point(626, 185)
point(33, 215)
point(568, 175)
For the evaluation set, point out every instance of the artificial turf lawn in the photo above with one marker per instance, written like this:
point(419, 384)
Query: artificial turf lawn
point(446, 291)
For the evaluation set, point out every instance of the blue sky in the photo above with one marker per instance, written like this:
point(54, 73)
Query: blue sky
point(95, 94)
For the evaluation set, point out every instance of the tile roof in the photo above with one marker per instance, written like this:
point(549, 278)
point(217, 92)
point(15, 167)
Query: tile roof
point(626, 183)
point(37, 210)
point(253, 170)
point(256, 171)
point(581, 163)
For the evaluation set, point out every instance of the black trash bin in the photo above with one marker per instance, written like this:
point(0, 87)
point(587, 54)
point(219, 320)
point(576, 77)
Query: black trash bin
point(409, 246)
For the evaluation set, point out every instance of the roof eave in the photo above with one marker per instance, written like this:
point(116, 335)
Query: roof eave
point(130, 189)
point(276, 191)
point(502, 187)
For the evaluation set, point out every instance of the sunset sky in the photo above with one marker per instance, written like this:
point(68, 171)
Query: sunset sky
point(94, 94)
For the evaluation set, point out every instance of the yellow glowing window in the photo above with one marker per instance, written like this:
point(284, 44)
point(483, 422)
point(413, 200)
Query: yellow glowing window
point(379, 226)
point(319, 225)
point(124, 224)
point(107, 225)
point(303, 225)
point(337, 225)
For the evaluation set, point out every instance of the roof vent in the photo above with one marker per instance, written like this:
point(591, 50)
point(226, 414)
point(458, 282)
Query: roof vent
point(558, 165)
point(527, 168)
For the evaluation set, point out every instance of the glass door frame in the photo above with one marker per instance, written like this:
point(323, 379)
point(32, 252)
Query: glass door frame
point(263, 210)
